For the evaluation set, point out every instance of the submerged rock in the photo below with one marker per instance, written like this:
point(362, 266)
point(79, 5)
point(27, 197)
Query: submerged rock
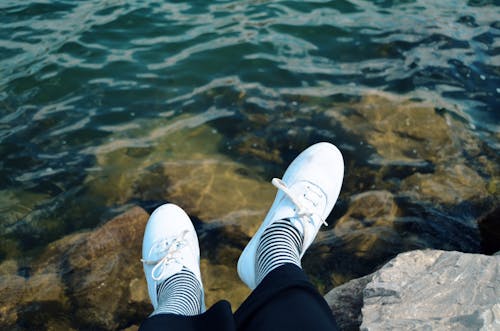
point(122, 168)
point(218, 190)
point(437, 149)
point(185, 168)
point(28, 297)
point(450, 185)
point(368, 209)
point(366, 236)
point(400, 130)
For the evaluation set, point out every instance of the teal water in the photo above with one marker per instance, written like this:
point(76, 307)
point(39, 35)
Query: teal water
point(81, 81)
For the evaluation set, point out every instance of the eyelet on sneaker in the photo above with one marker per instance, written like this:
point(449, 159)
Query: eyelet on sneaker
point(169, 249)
point(299, 209)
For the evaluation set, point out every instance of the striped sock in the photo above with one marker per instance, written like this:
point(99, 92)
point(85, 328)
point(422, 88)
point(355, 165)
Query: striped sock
point(179, 294)
point(280, 243)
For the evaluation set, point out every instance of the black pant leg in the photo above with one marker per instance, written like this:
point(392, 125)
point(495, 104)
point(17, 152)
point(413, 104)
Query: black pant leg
point(285, 300)
point(218, 317)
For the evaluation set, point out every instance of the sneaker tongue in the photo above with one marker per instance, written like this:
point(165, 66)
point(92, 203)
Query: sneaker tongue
point(286, 211)
point(170, 269)
point(298, 225)
point(289, 212)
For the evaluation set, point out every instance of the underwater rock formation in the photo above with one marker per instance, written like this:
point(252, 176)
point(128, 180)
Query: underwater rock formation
point(363, 238)
point(223, 192)
point(435, 147)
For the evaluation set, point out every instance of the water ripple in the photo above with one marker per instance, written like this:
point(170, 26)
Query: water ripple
point(88, 78)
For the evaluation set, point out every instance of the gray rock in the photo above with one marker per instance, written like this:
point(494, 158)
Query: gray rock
point(434, 290)
point(346, 301)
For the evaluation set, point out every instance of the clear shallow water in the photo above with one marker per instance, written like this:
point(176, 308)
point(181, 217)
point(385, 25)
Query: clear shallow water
point(82, 81)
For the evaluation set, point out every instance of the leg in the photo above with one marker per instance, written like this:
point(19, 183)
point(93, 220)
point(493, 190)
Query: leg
point(283, 298)
point(218, 317)
point(171, 261)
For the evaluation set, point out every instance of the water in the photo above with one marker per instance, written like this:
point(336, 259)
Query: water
point(95, 93)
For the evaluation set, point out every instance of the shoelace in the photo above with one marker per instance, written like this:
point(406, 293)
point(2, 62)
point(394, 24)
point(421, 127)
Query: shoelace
point(170, 249)
point(301, 209)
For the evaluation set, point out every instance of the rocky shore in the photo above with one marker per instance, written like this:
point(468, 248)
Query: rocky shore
point(94, 280)
point(416, 179)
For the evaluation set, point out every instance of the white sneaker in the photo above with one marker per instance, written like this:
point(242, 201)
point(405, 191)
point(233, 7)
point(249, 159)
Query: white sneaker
point(306, 196)
point(170, 243)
